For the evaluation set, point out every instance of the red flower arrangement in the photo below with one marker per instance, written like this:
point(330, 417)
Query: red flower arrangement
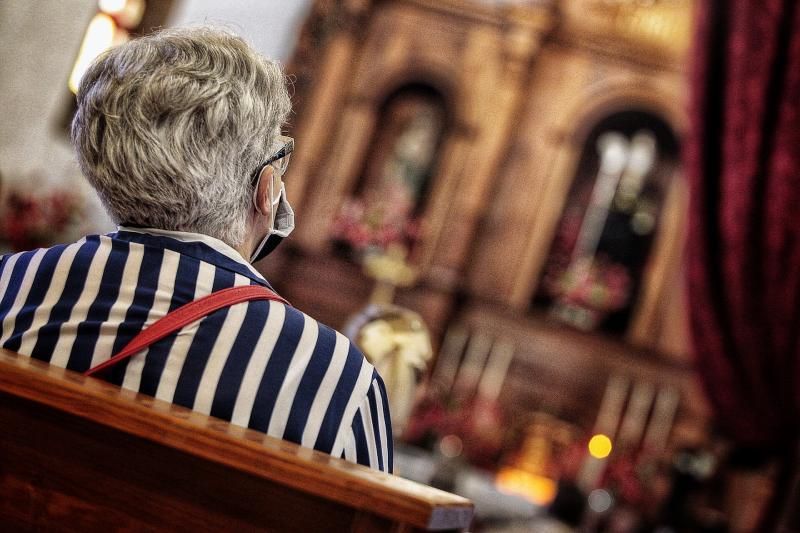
point(600, 285)
point(375, 225)
point(34, 220)
point(478, 423)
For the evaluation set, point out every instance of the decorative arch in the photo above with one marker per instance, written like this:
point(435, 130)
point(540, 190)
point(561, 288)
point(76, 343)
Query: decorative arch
point(609, 98)
point(436, 75)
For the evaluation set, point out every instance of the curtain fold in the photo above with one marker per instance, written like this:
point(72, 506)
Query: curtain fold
point(743, 161)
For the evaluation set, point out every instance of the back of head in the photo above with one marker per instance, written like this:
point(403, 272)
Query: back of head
point(170, 126)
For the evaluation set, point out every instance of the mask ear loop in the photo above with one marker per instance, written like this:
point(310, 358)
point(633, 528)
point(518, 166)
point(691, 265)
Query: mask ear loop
point(255, 191)
point(270, 192)
point(258, 210)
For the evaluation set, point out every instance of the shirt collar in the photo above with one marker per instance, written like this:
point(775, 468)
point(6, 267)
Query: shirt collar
point(234, 261)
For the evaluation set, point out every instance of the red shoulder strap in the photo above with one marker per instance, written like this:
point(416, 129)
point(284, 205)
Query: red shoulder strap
point(185, 315)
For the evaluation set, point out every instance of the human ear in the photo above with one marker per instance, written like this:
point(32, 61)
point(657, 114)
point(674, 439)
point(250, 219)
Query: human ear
point(262, 196)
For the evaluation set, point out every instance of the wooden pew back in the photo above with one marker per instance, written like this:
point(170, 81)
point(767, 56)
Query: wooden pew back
point(80, 454)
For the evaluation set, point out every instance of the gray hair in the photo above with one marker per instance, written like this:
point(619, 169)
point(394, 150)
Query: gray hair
point(170, 127)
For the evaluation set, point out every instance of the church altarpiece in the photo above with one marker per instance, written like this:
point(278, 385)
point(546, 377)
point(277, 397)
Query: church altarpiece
point(526, 157)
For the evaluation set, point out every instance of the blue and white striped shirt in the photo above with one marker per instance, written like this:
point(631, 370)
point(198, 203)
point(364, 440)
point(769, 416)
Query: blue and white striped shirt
point(258, 364)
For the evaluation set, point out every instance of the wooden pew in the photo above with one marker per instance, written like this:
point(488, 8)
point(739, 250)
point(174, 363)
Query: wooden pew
point(80, 454)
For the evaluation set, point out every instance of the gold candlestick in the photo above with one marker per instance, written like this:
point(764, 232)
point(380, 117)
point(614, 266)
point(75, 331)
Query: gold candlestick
point(389, 270)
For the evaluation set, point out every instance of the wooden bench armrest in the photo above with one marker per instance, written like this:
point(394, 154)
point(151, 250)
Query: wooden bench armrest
point(219, 442)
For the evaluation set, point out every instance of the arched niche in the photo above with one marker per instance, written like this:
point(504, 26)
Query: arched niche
point(594, 270)
point(387, 203)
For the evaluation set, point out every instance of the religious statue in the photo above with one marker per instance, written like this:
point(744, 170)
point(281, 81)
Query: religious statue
point(394, 339)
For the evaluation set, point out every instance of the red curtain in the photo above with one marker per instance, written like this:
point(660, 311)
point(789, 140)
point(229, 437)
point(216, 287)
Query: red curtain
point(743, 162)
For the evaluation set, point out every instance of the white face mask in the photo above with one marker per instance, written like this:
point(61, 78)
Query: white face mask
point(281, 225)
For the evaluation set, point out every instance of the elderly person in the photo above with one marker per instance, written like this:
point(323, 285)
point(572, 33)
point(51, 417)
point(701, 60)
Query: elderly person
point(179, 134)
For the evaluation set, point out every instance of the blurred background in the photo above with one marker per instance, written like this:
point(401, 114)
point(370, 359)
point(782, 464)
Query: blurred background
point(564, 231)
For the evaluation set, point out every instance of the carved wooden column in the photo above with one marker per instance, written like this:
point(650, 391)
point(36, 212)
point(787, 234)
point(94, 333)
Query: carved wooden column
point(324, 102)
point(336, 174)
point(663, 273)
point(494, 80)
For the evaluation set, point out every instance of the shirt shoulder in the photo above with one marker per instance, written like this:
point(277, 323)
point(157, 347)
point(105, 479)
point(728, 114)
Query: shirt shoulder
point(306, 359)
point(320, 344)
point(19, 264)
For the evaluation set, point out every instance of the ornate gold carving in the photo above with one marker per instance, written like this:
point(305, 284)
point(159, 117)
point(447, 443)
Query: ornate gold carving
point(527, 26)
point(655, 29)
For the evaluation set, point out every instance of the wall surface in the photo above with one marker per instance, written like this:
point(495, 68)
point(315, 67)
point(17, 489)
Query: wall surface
point(271, 26)
point(38, 44)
